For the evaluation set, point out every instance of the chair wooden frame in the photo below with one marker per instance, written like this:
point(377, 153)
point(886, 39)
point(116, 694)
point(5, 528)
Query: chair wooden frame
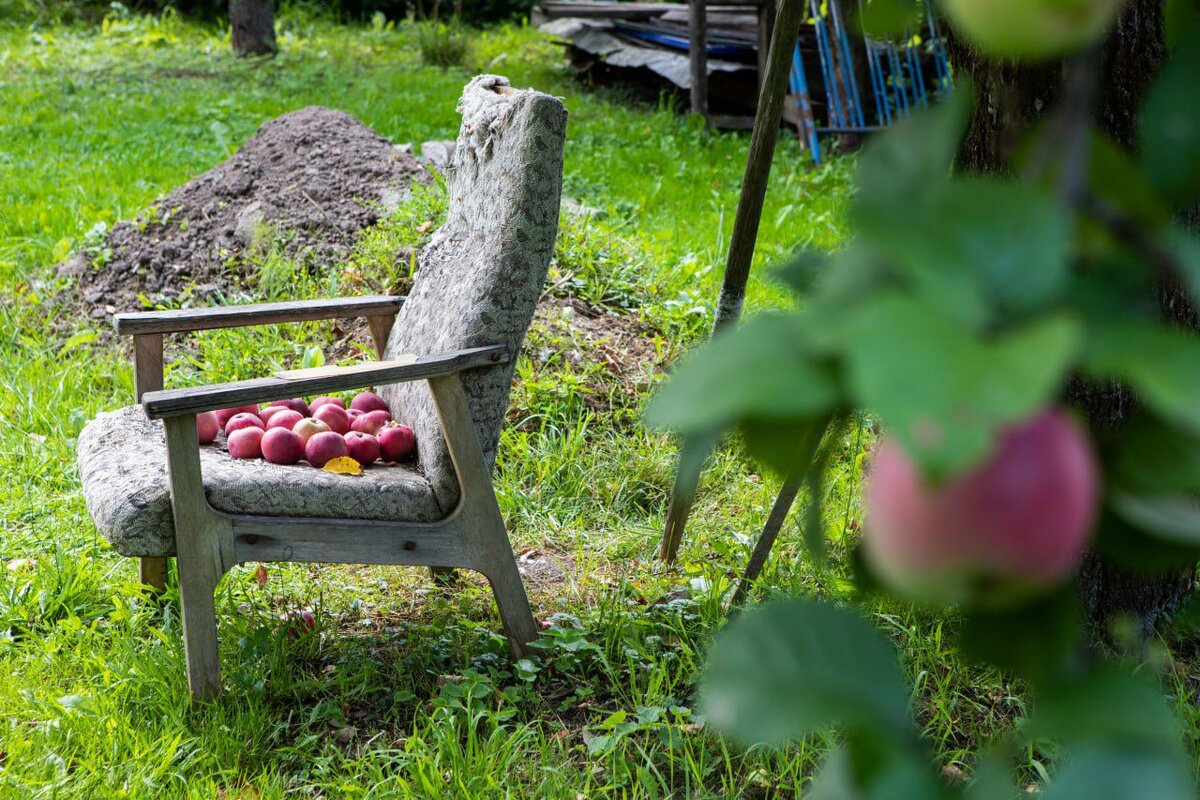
point(210, 542)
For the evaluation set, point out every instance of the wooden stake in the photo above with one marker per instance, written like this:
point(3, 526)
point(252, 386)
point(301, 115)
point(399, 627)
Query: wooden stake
point(745, 223)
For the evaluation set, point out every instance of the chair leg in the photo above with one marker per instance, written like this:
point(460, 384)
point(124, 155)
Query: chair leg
point(197, 584)
point(519, 623)
point(152, 572)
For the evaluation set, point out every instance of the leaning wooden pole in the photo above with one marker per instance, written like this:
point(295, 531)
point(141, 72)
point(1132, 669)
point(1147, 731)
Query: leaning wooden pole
point(745, 225)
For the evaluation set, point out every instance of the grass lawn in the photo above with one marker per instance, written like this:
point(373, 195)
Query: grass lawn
point(405, 689)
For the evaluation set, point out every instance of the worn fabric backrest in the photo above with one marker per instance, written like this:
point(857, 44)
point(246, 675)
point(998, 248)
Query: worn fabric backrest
point(479, 279)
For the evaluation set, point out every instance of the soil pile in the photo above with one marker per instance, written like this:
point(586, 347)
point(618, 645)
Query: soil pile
point(317, 175)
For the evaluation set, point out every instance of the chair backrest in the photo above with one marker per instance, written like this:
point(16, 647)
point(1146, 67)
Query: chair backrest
point(479, 279)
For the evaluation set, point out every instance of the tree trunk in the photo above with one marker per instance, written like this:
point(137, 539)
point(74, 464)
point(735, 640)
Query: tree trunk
point(1010, 97)
point(252, 26)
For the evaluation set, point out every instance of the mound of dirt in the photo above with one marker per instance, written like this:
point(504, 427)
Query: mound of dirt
point(317, 175)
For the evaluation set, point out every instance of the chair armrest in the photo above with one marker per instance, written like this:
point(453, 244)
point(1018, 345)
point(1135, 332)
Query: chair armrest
point(199, 319)
point(181, 402)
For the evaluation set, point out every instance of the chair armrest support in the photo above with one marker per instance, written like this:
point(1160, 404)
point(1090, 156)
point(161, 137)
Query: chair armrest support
point(180, 402)
point(199, 319)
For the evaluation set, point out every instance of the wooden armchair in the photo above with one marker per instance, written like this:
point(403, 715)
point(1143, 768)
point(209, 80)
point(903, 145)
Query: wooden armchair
point(473, 299)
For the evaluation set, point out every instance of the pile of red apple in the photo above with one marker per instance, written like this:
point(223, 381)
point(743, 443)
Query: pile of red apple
point(288, 431)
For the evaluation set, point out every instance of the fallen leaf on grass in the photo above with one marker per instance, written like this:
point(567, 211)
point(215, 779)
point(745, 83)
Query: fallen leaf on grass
point(260, 575)
point(343, 465)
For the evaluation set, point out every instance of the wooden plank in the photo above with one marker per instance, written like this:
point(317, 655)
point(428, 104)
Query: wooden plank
point(347, 541)
point(484, 536)
point(698, 55)
point(148, 377)
point(322, 372)
point(198, 319)
point(198, 535)
point(381, 328)
point(177, 402)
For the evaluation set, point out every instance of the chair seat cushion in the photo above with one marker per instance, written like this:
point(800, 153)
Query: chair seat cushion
point(123, 465)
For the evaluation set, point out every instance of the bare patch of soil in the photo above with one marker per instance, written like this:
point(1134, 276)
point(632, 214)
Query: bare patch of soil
point(317, 175)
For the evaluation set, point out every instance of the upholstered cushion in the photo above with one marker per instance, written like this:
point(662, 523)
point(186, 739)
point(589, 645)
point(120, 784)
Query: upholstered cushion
point(480, 277)
point(123, 464)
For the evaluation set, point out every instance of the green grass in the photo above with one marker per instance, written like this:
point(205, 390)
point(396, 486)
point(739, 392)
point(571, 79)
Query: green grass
point(405, 689)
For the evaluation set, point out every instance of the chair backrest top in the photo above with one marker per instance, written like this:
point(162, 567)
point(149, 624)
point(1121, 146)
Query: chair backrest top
point(479, 279)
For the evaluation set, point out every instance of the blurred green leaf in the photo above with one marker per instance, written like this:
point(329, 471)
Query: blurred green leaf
point(1174, 517)
point(1170, 128)
point(944, 393)
point(891, 776)
point(1048, 640)
point(785, 447)
point(980, 244)
point(1162, 365)
point(1120, 772)
point(799, 666)
point(1106, 705)
point(888, 19)
point(1148, 455)
point(902, 165)
point(1137, 550)
point(758, 370)
point(1180, 17)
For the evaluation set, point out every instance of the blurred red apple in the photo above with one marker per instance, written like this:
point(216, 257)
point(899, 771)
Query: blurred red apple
point(207, 427)
point(243, 420)
point(396, 442)
point(362, 447)
point(270, 411)
point(1019, 521)
point(245, 443)
point(371, 422)
point(326, 400)
point(295, 404)
point(368, 401)
point(226, 414)
point(285, 419)
point(334, 416)
point(281, 446)
point(324, 446)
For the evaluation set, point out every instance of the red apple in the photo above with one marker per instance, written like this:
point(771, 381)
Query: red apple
point(1019, 521)
point(355, 413)
point(281, 446)
point(309, 427)
point(207, 427)
point(396, 442)
point(334, 416)
point(326, 400)
point(226, 414)
point(362, 447)
point(371, 422)
point(295, 404)
point(324, 446)
point(243, 420)
point(245, 443)
point(285, 419)
point(368, 401)
point(300, 622)
point(270, 411)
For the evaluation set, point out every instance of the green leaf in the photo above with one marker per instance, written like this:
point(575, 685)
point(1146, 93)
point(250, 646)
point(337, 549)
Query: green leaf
point(1106, 705)
point(1163, 366)
point(1170, 140)
point(1140, 551)
point(1048, 643)
point(903, 164)
point(943, 392)
point(886, 19)
point(892, 776)
point(981, 243)
point(77, 340)
point(1118, 772)
point(758, 370)
point(1174, 517)
point(799, 666)
point(1149, 456)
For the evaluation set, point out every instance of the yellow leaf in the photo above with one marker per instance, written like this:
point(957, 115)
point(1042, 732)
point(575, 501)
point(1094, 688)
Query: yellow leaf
point(343, 465)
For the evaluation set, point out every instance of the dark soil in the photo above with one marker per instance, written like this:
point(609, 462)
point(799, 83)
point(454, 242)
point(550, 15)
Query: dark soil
point(316, 175)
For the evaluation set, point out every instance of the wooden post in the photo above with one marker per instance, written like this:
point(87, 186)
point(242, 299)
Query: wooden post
point(148, 377)
point(698, 55)
point(381, 327)
point(745, 223)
